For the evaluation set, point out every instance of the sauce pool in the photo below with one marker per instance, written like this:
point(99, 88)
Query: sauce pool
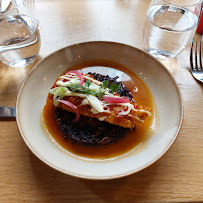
point(125, 144)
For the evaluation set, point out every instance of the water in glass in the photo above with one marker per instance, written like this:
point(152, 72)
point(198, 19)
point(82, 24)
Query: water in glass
point(168, 30)
point(19, 40)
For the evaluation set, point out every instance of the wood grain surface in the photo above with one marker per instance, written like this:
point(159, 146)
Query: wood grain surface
point(176, 177)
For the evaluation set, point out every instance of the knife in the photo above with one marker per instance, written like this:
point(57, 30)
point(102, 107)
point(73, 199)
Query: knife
point(7, 112)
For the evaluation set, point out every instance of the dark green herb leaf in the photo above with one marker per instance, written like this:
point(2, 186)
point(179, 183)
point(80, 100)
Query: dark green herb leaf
point(113, 88)
point(87, 83)
point(71, 87)
point(100, 94)
point(85, 90)
point(104, 84)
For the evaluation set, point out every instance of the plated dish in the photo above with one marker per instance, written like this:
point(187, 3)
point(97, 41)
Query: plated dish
point(97, 116)
point(158, 98)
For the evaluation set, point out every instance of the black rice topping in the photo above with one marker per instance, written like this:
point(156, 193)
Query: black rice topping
point(91, 131)
point(122, 90)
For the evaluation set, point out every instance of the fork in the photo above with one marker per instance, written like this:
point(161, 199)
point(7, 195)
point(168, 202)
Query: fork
point(196, 59)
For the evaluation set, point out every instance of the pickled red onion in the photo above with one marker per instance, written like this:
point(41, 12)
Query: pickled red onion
point(116, 100)
point(72, 106)
point(79, 74)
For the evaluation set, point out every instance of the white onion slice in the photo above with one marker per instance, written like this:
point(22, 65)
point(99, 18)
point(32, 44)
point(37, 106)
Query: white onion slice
point(95, 103)
point(79, 74)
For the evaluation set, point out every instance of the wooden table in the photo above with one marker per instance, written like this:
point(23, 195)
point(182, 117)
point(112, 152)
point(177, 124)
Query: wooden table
point(176, 177)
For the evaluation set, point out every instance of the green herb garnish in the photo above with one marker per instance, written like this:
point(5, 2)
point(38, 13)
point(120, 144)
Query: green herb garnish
point(113, 87)
point(84, 89)
point(104, 84)
point(100, 94)
point(74, 86)
point(87, 83)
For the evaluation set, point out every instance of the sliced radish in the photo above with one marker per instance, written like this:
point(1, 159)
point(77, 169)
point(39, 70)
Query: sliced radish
point(79, 74)
point(72, 106)
point(115, 100)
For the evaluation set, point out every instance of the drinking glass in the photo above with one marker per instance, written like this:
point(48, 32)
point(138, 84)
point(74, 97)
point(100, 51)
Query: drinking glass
point(200, 24)
point(6, 5)
point(19, 36)
point(170, 26)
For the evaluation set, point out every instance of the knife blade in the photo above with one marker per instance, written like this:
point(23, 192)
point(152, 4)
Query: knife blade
point(7, 112)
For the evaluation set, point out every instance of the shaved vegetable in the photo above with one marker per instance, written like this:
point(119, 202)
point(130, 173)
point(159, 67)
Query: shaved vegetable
point(72, 106)
point(53, 90)
point(58, 94)
point(115, 100)
point(95, 103)
point(79, 74)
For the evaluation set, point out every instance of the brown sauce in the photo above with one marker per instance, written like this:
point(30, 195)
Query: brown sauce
point(124, 145)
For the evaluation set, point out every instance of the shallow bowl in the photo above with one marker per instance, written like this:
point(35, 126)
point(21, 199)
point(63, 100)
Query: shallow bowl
point(34, 90)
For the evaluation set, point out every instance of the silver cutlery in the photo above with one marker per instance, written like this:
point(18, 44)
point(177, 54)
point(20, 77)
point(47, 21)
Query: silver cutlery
point(7, 112)
point(196, 59)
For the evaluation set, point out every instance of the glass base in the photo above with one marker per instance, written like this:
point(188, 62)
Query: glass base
point(160, 54)
point(23, 62)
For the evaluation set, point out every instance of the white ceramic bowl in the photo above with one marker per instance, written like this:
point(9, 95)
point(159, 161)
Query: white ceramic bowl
point(34, 90)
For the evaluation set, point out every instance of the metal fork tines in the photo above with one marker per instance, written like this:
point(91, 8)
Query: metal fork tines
point(196, 59)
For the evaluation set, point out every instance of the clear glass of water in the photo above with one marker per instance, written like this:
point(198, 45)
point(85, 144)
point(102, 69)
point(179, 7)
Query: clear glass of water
point(170, 26)
point(19, 36)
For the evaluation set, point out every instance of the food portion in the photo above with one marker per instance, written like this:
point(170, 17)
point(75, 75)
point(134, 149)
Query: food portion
point(87, 131)
point(97, 98)
point(94, 109)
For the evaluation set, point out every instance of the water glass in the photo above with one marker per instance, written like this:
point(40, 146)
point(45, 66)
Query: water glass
point(19, 36)
point(170, 26)
point(200, 25)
